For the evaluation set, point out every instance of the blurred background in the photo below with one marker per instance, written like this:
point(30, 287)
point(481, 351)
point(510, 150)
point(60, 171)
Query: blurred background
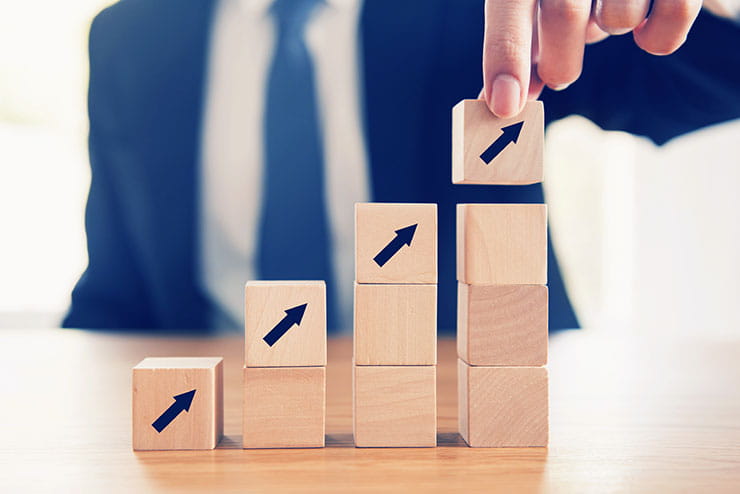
point(44, 175)
point(648, 237)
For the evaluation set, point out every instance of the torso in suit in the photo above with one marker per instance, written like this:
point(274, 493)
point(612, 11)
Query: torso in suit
point(147, 71)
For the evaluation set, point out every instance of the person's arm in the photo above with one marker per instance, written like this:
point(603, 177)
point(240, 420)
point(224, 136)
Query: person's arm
point(110, 293)
point(529, 44)
point(625, 88)
point(618, 83)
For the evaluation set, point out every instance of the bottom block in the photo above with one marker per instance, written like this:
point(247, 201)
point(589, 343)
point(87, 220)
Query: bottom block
point(395, 406)
point(502, 406)
point(284, 407)
point(178, 403)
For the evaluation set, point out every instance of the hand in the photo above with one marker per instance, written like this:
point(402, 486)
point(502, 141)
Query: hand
point(529, 44)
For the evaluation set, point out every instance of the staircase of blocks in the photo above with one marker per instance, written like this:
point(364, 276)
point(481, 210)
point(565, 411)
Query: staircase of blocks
point(502, 324)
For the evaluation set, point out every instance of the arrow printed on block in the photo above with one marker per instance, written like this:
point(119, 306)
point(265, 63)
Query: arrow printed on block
point(510, 134)
point(293, 316)
point(182, 403)
point(404, 236)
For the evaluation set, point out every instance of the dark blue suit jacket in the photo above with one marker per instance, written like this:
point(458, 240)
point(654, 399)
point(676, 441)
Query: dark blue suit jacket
point(147, 68)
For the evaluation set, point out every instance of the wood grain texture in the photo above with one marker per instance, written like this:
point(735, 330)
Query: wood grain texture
point(502, 324)
point(646, 412)
point(502, 244)
point(375, 227)
point(284, 407)
point(395, 324)
point(302, 345)
point(475, 128)
point(503, 406)
point(155, 383)
point(395, 406)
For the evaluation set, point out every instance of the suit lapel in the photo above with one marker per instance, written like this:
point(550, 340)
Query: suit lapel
point(169, 82)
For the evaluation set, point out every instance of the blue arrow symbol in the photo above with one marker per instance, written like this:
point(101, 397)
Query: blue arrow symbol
point(182, 403)
point(510, 134)
point(404, 236)
point(292, 316)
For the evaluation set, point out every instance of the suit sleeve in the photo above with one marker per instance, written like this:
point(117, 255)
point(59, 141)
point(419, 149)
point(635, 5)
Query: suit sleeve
point(624, 88)
point(110, 293)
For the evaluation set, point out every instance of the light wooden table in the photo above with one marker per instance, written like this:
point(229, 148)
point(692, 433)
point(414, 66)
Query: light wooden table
point(628, 414)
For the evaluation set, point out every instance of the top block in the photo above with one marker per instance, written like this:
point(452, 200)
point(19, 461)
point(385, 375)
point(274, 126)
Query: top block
point(497, 151)
point(395, 243)
point(285, 324)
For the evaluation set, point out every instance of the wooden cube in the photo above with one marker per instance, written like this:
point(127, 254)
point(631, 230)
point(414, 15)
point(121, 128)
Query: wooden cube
point(502, 244)
point(178, 403)
point(502, 406)
point(502, 324)
point(395, 324)
point(284, 407)
point(395, 243)
point(285, 323)
point(491, 150)
point(395, 406)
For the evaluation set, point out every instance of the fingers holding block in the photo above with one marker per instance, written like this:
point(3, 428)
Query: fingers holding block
point(395, 324)
point(503, 406)
point(177, 403)
point(490, 150)
point(285, 323)
point(502, 244)
point(284, 407)
point(395, 243)
point(502, 324)
point(395, 406)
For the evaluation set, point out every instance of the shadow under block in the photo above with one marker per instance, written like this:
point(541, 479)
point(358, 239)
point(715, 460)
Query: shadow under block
point(395, 406)
point(163, 399)
point(272, 307)
point(502, 244)
point(395, 325)
point(502, 324)
point(284, 407)
point(502, 406)
point(478, 135)
point(395, 243)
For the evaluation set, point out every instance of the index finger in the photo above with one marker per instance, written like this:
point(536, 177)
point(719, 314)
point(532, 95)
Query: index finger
point(507, 51)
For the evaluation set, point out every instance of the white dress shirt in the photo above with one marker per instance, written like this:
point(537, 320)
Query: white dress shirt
point(242, 43)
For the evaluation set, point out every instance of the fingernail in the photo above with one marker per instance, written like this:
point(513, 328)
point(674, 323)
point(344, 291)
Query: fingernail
point(506, 96)
point(560, 87)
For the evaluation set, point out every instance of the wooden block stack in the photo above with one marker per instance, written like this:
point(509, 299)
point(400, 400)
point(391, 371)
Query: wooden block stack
point(395, 333)
point(285, 364)
point(502, 276)
point(178, 403)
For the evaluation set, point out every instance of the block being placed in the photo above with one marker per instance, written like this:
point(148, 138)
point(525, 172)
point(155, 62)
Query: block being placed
point(284, 407)
point(285, 323)
point(491, 150)
point(502, 406)
point(395, 324)
point(178, 403)
point(395, 406)
point(502, 324)
point(395, 243)
point(502, 244)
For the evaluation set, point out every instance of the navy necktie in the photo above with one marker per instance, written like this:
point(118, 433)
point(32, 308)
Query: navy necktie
point(294, 241)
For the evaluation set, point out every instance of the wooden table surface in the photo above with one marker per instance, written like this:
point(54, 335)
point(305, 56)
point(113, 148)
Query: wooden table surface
point(630, 414)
